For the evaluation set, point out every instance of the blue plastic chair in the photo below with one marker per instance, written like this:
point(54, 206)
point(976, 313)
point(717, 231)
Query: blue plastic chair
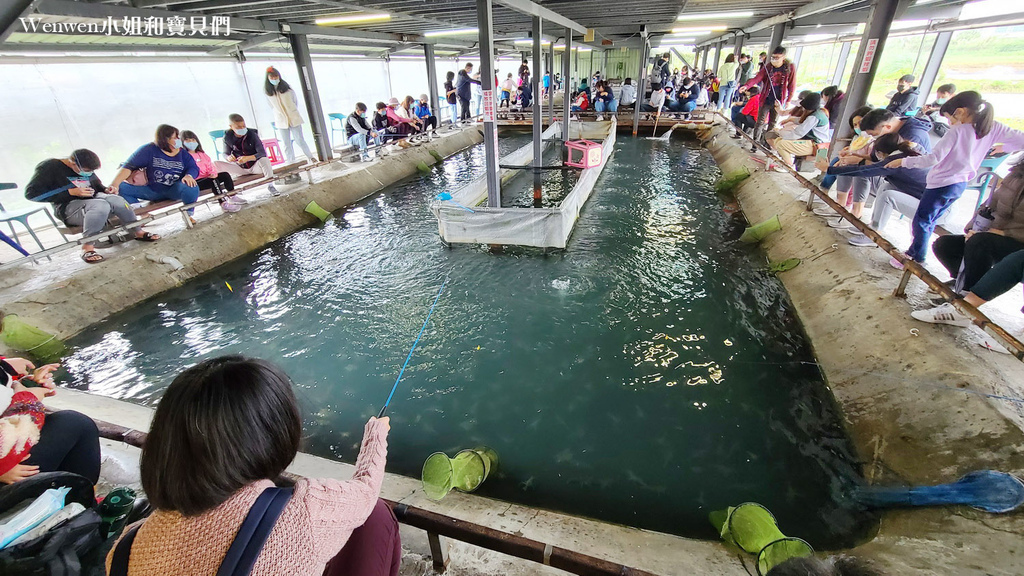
point(217, 134)
point(341, 126)
point(22, 217)
point(986, 174)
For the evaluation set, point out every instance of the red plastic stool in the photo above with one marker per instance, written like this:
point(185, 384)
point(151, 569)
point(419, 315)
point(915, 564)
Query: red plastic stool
point(590, 154)
point(274, 150)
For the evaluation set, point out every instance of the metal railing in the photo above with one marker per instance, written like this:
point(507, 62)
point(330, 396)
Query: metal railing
point(910, 267)
point(438, 525)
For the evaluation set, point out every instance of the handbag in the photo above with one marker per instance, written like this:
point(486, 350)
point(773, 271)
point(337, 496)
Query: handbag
point(137, 177)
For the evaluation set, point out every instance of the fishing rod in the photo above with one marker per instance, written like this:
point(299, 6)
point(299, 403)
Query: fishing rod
point(417, 341)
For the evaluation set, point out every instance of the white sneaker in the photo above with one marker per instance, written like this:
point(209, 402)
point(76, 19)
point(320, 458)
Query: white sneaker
point(599, 118)
point(840, 223)
point(861, 240)
point(273, 190)
point(825, 212)
point(944, 314)
point(366, 158)
point(237, 199)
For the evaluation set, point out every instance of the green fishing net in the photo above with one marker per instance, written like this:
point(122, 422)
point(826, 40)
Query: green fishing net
point(731, 180)
point(465, 472)
point(753, 529)
point(41, 346)
point(784, 265)
point(318, 211)
point(757, 232)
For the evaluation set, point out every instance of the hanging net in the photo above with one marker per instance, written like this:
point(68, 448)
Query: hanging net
point(753, 529)
point(758, 232)
point(22, 336)
point(465, 472)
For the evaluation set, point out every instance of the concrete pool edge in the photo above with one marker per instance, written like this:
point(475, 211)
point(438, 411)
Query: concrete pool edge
point(66, 302)
point(899, 393)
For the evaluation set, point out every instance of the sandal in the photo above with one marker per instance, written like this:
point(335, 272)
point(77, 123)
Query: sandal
point(148, 237)
point(92, 257)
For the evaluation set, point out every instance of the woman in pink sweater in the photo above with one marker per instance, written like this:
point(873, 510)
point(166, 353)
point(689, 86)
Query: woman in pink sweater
point(224, 432)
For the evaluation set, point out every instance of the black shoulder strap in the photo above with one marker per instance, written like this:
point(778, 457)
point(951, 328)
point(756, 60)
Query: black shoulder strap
point(255, 530)
point(123, 550)
point(244, 550)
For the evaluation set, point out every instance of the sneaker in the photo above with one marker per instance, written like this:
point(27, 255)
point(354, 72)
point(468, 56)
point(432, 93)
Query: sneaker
point(366, 158)
point(229, 206)
point(736, 135)
point(861, 240)
point(895, 263)
point(599, 118)
point(236, 199)
point(825, 212)
point(273, 190)
point(292, 179)
point(945, 314)
point(433, 133)
point(840, 223)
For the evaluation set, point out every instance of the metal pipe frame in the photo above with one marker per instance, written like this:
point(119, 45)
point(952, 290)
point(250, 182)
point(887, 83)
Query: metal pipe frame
point(567, 85)
point(720, 47)
point(931, 67)
point(435, 102)
point(641, 87)
point(485, 20)
point(910, 267)
point(304, 64)
point(538, 109)
point(844, 55)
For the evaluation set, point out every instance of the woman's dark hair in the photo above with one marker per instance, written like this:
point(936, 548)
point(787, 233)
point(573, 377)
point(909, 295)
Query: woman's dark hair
point(190, 135)
point(983, 112)
point(730, 58)
point(830, 91)
point(811, 102)
point(862, 112)
point(872, 119)
point(890, 143)
point(450, 76)
point(86, 159)
point(164, 134)
point(408, 101)
point(221, 425)
point(269, 88)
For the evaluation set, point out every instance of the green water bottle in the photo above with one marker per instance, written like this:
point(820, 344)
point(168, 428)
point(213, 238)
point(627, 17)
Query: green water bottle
point(115, 509)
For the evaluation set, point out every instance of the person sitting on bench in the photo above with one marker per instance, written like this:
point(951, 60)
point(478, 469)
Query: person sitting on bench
point(209, 177)
point(245, 153)
point(358, 131)
point(398, 124)
point(422, 111)
point(170, 172)
point(71, 185)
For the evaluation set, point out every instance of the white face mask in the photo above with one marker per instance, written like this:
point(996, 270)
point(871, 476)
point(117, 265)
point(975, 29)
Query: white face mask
point(240, 131)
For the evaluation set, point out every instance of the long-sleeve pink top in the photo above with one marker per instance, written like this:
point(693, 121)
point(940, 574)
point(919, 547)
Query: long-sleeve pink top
point(312, 528)
point(206, 167)
point(958, 155)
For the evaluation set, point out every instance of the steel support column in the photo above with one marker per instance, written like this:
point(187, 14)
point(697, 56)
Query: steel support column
point(739, 47)
point(931, 68)
point(797, 53)
point(300, 51)
point(538, 111)
point(641, 87)
point(718, 55)
point(883, 12)
point(778, 35)
point(551, 81)
point(567, 85)
point(485, 23)
point(428, 54)
point(10, 12)
point(844, 55)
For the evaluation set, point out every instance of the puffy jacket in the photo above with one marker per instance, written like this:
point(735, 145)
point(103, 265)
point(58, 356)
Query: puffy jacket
point(903, 102)
point(1007, 204)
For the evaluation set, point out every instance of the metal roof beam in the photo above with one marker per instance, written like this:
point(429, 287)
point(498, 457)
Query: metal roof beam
point(246, 44)
point(10, 12)
point(804, 11)
point(532, 9)
point(224, 4)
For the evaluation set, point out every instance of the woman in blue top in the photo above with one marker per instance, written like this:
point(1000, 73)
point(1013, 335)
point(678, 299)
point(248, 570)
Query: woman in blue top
point(170, 171)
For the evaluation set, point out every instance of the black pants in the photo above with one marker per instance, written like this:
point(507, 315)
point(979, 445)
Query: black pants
point(69, 442)
point(464, 102)
point(429, 123)
point(223, 182)
point(768, 110)
point(977, 255)
point(1002, 277)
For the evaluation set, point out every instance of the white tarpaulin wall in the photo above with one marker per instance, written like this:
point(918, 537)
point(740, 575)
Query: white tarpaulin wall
point(540, 227)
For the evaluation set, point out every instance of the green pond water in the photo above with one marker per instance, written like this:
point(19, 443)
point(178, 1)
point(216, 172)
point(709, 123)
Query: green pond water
point(647, 375)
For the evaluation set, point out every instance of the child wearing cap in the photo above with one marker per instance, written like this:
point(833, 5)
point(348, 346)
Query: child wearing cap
point(422, 111)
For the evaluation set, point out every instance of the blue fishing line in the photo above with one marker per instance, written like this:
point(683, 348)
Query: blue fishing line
point(411, 350)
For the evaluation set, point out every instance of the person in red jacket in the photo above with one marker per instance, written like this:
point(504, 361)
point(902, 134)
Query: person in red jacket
point(777, 81)
point(745, 115)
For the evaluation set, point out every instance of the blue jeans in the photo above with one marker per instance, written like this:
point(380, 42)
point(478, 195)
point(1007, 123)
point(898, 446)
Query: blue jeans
point(455, 113)
point(725, 94)
point(359, 141)
point(829, 179)
point(686, 106)
point(934, 204)
point(179, 191)
point(612, 106)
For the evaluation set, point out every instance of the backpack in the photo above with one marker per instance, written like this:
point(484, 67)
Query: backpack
point(73, 548)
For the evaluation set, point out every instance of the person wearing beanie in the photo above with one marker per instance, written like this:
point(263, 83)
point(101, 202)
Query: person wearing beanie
point(422, 111)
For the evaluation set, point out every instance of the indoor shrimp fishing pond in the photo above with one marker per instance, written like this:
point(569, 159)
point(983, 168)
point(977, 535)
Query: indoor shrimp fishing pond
point(652, 372)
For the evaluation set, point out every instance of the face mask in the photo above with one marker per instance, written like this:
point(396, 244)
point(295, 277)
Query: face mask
point(274, 82)
point(240, 131)
point(857, 130)
point(192, 145)
point(177, 142)
point(362, 114)
point(941, 101)
point(85, 173)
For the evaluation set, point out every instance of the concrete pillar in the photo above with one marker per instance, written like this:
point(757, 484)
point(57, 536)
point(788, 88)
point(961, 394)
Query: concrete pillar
point(778, 35)
point(883, 12)
point(844, 55)
point(641, 87)
point(931, 68)
point(485, 23)
point(738, 49)
point(428, 54)
point(567, 85)
point(538, 111)
point(797, 53)
point(718, 55)
point(307, 81)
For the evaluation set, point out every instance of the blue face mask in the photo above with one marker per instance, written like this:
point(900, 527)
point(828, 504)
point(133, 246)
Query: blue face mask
point(857, 130)
point(241, 131)
point(941, 101)
point(274, 82)
point(85, 173)
point(192, 145)
point(177, 142)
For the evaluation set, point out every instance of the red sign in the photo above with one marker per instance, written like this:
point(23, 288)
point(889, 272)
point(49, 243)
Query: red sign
point(869, 56)
point(490, 115)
